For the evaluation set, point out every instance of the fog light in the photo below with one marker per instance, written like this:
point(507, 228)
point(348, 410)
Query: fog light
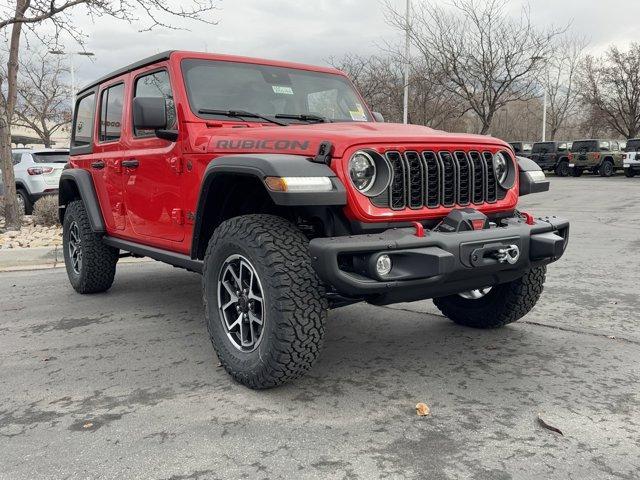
point(383, 265)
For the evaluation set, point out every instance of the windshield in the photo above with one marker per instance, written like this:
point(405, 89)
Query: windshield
point(584, 146)
point(543, 147)
point(270, 91)
point(632, 145)
point(50, 157)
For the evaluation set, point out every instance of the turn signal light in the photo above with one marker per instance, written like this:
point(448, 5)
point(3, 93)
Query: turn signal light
point(299, 184)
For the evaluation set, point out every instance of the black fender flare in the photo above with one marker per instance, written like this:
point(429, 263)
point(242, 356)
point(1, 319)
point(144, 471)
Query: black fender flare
point(77, 183)
point(265, 165)
point(527, 183)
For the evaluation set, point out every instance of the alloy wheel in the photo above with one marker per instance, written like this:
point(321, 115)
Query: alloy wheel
point(241, 303)
point(475, 294)
point(75, 248)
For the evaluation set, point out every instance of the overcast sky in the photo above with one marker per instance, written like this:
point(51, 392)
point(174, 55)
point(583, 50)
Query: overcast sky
point(312, 31)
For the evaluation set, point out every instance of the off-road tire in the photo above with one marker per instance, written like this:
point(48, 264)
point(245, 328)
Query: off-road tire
point(504, 303)
point(296, 305)
point(28, 206)
point(629, 173)
point(576, 172)
point(99, 261)
point(606, 169)
point(562, 169)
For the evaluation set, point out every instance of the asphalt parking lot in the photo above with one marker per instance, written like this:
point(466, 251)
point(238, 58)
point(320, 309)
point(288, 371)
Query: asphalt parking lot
point(126, 384)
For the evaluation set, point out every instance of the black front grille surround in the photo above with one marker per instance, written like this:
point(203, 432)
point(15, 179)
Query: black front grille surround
point(443, 178)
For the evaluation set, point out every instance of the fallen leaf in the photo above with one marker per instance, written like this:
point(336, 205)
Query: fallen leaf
point(87, 425)
point(612, 337)
point(46, 359)
point(219, 365)
point(490, 347)
point(548, 426)
point(422, 410)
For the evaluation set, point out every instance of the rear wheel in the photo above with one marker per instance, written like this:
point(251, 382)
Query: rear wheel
point(606, 169)
point(562, 170)
point(91, 265)
point(496, 306)
point(264, 304)
point(25, 207)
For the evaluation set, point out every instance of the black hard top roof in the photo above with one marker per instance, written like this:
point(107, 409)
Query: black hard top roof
point(134, 66)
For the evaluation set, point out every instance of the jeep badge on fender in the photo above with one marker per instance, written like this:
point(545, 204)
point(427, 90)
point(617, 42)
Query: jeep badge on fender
point(276, 182)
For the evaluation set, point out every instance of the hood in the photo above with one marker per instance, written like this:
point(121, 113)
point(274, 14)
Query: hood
point(305, 139)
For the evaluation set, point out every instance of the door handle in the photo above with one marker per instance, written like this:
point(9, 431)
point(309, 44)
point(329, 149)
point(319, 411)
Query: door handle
point(99, 165)
point(131, 164)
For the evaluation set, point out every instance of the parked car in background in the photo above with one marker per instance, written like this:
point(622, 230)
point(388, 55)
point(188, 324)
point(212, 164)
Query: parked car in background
point(522, 149)
point(37, 174)
point(597, 156)
point(631, 160)
point(552, 156)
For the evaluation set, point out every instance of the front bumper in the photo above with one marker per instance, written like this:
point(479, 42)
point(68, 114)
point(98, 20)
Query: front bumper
point(436, 264)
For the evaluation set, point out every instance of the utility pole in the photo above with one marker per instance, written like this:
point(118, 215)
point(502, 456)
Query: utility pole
point(407, 65)
point(72, 70)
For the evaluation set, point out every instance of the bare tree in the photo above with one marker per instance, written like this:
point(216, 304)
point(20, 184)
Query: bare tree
point(31, 14)
point(489, 59)
point(43, 96)
point(380, 79)
point(611, 88)
point(561, 79)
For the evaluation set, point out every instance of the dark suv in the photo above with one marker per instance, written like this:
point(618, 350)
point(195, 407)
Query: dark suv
point(552, 156)
point(602, 157)
point(522, 149)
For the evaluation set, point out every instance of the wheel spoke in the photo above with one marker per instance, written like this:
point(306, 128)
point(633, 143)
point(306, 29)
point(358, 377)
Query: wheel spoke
point(254, 319)
point(237, 322)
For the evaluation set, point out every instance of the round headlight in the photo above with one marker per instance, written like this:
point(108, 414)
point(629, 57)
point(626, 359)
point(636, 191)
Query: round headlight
point(501, 167)
point(362, 170)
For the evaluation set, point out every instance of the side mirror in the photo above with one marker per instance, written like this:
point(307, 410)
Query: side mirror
point(149, 113)
point(377, 116)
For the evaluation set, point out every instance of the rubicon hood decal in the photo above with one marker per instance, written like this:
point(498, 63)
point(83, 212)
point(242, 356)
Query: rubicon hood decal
point(262, 145)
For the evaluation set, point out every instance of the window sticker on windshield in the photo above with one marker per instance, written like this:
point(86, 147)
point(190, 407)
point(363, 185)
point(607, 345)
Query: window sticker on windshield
point(282, 90)
point(358, 115)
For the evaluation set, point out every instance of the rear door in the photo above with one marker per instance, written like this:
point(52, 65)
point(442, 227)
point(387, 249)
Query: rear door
point(153, 181)
point(106, 166)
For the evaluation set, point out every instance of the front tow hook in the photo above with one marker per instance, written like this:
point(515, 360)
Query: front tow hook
point(510, 255)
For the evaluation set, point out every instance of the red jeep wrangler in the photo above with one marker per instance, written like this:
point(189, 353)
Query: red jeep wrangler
point(276, 182)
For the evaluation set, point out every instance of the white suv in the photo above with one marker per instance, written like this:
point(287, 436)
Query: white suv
point(37, 173)
point(631, 159)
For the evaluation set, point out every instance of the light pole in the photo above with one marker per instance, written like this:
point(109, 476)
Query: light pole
point(72, 70)
point(544, 98)
point(407, 52)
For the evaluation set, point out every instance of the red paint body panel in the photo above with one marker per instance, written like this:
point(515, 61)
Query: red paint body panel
point(144, 205)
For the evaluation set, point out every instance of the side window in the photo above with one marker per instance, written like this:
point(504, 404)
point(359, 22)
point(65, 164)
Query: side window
point(16, 158)
point(83, 122)
point(605, 146)
point(111, 113)
point(614, 146)
point(156, 84)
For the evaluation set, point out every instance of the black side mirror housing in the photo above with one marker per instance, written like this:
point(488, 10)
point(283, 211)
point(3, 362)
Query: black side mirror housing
point(378, 117)
point(149, 113)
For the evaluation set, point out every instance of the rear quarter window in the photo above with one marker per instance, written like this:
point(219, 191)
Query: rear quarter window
point(83, 121)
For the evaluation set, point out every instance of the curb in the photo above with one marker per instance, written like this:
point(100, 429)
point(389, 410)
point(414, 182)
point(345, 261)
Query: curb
point(16, 259)
point(25, 257)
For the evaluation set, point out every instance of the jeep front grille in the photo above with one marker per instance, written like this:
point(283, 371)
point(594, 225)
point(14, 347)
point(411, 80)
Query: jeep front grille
point(439, 179)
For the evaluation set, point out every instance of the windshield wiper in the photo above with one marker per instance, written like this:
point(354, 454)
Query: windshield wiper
point(304, 117)
point(240, 114)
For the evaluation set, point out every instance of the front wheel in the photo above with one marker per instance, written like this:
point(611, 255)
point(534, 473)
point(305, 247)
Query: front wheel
point(629, 173)
point(91, 265)
point(264, 304)
point(497, 306)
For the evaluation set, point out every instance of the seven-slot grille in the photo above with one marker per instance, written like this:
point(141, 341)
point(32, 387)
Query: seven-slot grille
point(439, 179)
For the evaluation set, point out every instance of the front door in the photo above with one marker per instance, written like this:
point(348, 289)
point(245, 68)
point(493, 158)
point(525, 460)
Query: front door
point(152, 170)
